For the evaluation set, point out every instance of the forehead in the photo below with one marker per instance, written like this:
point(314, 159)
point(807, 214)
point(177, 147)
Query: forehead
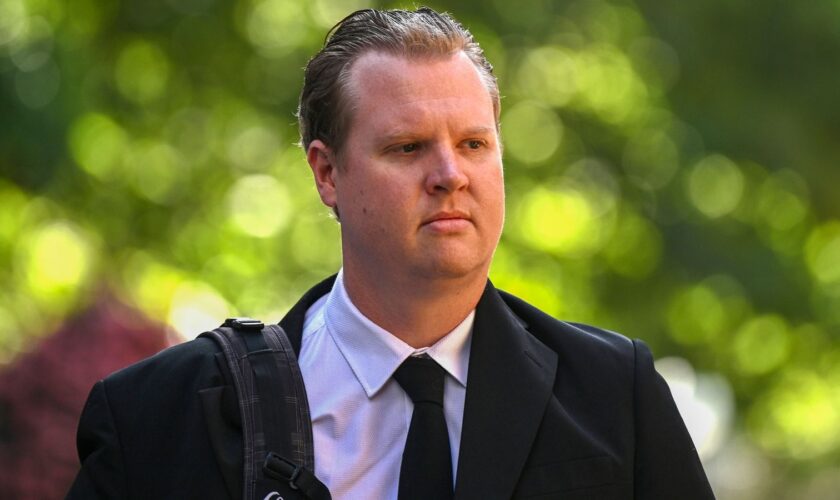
point(379, 82)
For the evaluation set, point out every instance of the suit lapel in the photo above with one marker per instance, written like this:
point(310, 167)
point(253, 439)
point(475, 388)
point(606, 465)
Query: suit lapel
point(510, 380)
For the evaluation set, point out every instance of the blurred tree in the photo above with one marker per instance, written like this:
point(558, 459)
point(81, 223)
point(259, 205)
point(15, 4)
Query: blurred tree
point(42, 393)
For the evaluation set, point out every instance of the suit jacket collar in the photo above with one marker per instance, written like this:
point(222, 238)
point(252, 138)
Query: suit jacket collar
point(510, 382)
point(292, 322)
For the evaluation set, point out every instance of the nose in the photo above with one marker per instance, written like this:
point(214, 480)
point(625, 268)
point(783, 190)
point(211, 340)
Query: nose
point(447, 173)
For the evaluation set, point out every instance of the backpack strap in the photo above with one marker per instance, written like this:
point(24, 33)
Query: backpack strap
point(276, 424)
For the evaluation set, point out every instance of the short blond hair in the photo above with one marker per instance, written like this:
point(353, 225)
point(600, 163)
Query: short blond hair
point(324, 111)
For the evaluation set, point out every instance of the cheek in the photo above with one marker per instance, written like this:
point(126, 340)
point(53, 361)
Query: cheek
point(380, 199)
point(382, 210)
point(492, 199)
point(491, 185)
point(362, 201)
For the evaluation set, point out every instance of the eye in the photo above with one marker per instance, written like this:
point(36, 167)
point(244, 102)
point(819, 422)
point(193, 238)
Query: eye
point(408, 148)
point(475, 144)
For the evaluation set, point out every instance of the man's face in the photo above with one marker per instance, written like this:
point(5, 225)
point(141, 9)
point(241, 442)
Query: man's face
point(419, 181)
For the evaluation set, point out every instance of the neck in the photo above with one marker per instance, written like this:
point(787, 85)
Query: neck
point(418, 312)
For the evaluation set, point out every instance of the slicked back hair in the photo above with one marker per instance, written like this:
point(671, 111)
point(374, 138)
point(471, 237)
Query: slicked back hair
point(324, 110)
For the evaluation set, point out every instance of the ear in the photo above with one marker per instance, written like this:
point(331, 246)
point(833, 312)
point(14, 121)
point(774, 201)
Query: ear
point(322, 162)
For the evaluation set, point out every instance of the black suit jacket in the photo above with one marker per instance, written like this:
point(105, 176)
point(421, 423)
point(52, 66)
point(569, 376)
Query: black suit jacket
point(553, 410)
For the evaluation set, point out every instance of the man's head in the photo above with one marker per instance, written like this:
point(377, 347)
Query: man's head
point(415, 163)
point(326, 108)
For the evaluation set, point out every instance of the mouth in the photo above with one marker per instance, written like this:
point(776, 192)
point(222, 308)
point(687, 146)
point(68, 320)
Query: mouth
point(448, 221)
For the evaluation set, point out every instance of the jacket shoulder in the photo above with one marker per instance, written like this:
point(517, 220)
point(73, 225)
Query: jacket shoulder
point(563, 335)
point(144, 427)
point(189, 364)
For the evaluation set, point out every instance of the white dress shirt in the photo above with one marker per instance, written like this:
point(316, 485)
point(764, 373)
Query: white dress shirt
point(360, 415)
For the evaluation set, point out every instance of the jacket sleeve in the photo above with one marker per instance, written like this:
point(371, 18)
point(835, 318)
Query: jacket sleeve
point(102, 475)
point(666, 461)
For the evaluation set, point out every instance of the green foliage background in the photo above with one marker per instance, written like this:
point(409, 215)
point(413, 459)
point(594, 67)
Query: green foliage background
point(671, 167)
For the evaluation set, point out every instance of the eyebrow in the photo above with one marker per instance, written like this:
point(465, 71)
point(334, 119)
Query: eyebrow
point(397, 135)
point(480, 130)
point(406, 134)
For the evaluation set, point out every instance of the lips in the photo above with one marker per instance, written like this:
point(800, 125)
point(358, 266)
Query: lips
point(443, 216)
point(448, 221)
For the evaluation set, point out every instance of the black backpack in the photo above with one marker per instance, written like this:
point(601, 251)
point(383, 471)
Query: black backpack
point(279, 460)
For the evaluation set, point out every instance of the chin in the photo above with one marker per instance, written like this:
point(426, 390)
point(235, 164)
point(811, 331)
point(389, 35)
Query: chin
point(454, 267)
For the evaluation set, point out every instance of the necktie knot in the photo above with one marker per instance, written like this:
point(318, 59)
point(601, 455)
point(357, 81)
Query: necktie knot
point(422, 379)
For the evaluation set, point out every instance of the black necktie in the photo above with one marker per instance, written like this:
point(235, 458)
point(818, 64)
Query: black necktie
point(426, 471)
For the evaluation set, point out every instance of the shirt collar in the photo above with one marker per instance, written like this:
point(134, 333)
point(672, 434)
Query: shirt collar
point(374, 354)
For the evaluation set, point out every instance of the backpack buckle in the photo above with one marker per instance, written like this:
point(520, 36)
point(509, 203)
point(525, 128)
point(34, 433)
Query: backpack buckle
point(244, 323)
point(282, 468)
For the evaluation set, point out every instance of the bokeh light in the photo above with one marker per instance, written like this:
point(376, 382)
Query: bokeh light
point(800, 417)
point(327, 12)
point(149, 283)
point(608, 85)
point(97, 143)
point(156, 171)
point(274, 26)
point(532, 132)
point(706, 403)
point(783, 200)
point(196, 307)
point(57, 258)
point(558, 220)
point(715, 186)
point(548, 72)
point(704, 312)
point(142, 71)
point(258, 205)
point(635, 248)
point(697, 315)
point(35, 49)
point(822, 252)
point(13, 21)
point(761, 344)
point(254, 148)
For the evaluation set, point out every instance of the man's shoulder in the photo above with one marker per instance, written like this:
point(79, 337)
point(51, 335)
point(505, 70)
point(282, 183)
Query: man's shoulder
point(191, 363)
point(569, 339)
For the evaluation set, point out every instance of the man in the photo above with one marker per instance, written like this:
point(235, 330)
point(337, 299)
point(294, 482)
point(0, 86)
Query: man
point(399, 118)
